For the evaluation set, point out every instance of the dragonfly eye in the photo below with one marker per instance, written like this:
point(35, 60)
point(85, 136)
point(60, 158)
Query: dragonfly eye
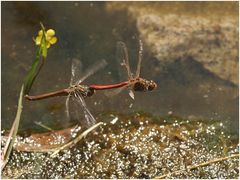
point(90, 92)
point(139, 86)
point(152, 85)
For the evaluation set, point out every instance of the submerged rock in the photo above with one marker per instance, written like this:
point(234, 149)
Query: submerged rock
point(191, 51)
point(179, 31)
point(214, 45)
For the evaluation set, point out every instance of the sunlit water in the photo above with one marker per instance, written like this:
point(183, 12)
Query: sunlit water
point(135, 146)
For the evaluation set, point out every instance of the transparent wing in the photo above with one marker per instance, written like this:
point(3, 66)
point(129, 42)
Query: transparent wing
point(67, 107)
point(114, 92)
point(73, 110)
point(88, 117)
point(139, 59)
point(93, 69)
point(131, 94)
point(77, 74)
point(122, 58)
point(76, 70)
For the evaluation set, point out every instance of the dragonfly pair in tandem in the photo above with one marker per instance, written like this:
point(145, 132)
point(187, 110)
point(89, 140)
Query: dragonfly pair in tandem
point(76, 92)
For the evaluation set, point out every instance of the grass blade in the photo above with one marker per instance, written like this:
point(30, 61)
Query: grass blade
point(13, 132)
point(76, 140)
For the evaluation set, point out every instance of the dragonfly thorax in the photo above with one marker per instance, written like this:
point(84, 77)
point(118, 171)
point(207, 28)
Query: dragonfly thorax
point(85, 91)
point(144, 85)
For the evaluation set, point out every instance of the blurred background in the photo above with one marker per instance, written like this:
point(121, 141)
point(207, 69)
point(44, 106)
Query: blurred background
point(189, 49)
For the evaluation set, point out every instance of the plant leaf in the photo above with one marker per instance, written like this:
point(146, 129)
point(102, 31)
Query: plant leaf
point(43, 45)
point(32, 73)
point(35, 69)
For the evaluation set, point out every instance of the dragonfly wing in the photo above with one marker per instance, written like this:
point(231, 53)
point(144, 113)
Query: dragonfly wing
point(88, 117)
point(76, 70)
point(93, 69)
point(73, 112)
point(139, 59)
point(122, 58)
point(114, 92)
point(131, 94)
point(67, 106)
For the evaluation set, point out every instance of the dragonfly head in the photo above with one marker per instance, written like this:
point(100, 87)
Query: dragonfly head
point(90, 92)
point(144, 85)
point(151, 85)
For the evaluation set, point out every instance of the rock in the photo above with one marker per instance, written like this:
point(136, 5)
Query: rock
point(214, 45)
point(204, 32)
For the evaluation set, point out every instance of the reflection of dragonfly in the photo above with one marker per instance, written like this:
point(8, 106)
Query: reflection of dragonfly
point(75, 92)
point(136, 83)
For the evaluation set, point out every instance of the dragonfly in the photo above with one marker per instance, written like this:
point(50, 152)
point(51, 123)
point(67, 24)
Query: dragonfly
point(76, 92)
point(134, 83)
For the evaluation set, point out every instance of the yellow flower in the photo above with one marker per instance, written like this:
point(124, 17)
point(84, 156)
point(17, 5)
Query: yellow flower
point(50, 38)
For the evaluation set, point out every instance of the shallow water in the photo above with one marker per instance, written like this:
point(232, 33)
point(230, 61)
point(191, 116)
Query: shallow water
point(89, 31)
point(136, 146)
point(199, 100)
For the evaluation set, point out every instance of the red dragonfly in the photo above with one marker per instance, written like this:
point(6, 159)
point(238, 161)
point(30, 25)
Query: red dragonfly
point(135, 83)
point(75, 92)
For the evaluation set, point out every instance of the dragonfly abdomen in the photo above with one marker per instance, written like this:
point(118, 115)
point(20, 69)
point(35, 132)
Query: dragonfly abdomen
point(62, 92)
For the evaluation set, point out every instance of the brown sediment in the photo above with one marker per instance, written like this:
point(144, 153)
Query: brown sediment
point(43, 142)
